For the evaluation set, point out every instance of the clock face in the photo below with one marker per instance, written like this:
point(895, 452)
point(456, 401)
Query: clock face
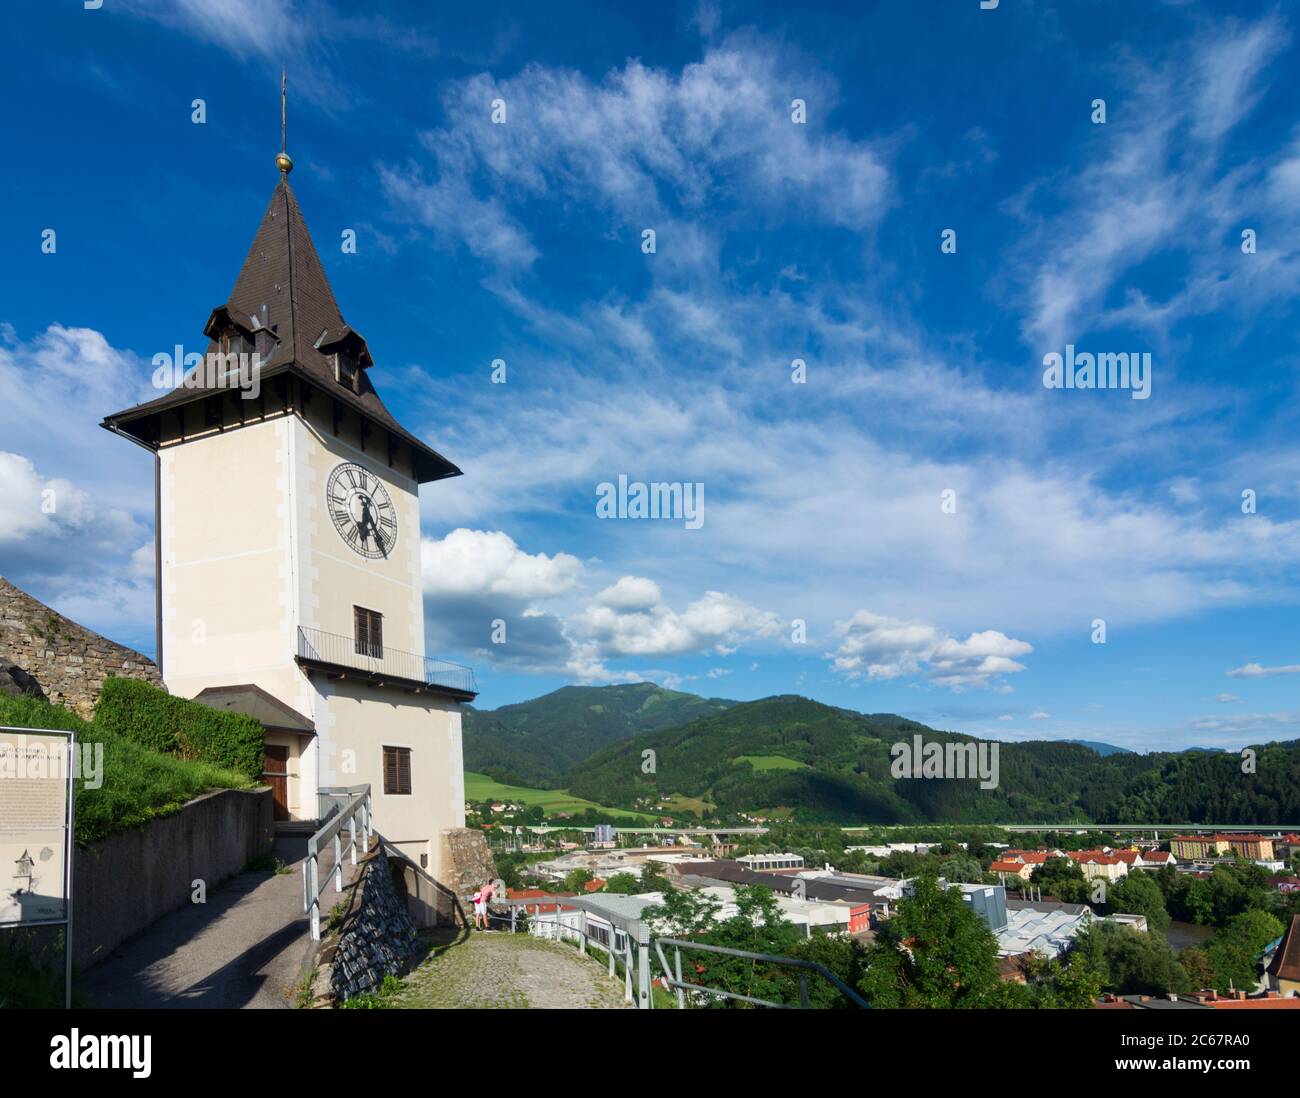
point(362, 511)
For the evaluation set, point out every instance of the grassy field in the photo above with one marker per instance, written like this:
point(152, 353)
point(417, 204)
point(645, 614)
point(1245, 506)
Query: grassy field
point(770, 762)
point(678, 802)
point(138, 785)
point(479, 787)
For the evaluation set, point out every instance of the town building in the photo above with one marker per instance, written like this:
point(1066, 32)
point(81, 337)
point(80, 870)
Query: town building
point(1099, 864)
point(1008, 867)
point(1045, 927)
point(765, 862)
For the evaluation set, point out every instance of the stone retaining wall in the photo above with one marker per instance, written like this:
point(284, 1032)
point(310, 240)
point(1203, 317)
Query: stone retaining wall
point(466, 861)
point(375, 937)
point(58, 659)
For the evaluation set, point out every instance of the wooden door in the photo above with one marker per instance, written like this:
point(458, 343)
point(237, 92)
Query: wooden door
point(275, 772)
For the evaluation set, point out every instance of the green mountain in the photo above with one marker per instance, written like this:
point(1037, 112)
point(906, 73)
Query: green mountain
point(831, 764)
point(535, 743)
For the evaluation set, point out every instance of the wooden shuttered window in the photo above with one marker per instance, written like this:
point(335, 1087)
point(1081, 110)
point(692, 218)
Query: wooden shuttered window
point(397, 771)
point(369, 630)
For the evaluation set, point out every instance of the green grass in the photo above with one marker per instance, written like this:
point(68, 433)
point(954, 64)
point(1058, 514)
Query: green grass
point(680, 803)
point(139, 785)
point(479, 787)
point(770, 762)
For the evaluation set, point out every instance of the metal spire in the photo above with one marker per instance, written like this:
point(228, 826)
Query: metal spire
point(282, 160)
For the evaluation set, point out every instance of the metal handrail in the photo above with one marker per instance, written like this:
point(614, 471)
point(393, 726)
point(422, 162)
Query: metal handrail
point(637, 966)
point(358, 806)
point(341, 651)
point(674, 976)
point(634, 956)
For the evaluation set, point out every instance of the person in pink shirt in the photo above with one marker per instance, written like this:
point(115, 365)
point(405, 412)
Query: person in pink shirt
point(481, 899)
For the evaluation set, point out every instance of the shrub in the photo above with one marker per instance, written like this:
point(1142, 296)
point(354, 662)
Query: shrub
point(137, 784)
point(180, 727)
point(31, 970)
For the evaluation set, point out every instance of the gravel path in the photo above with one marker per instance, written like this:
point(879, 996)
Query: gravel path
point(500, 970)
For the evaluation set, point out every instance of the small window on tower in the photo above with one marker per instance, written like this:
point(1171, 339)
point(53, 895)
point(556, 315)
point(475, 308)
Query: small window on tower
point(369, 632)
point(397, 771)
point(348, 369)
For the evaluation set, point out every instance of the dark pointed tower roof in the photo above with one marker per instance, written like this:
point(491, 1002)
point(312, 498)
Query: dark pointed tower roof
point(283, 301)
point(282, 277)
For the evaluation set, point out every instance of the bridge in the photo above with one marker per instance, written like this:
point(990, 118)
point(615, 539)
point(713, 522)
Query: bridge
point(1135, 828)
point(546, 829)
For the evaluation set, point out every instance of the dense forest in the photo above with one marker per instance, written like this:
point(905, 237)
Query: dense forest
point(828, 764)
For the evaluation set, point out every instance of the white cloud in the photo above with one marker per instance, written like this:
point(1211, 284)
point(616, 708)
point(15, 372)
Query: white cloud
point(878, 647)
point(1256, 671)
point(661, 631)
point(1153, 186)
point(650, 145)
point(480, 562)
point(631, 593)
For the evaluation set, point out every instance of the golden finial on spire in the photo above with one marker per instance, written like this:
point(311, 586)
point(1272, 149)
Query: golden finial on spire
point(282, 160)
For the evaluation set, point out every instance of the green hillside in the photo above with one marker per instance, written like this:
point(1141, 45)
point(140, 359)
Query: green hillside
point(845, 774)
point(535, 743)
point(479, 787)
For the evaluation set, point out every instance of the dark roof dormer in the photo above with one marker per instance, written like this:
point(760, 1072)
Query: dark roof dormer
point(283, 304)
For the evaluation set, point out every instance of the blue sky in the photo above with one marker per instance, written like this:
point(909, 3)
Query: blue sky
point(775, 241)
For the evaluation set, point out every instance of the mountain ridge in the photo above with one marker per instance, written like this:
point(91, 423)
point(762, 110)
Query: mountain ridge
point(789, 753)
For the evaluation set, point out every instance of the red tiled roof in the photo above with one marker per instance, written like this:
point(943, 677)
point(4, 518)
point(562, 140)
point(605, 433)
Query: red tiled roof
point(1094, 857)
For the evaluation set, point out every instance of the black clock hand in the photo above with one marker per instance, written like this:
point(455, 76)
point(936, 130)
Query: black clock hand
point(368, 521)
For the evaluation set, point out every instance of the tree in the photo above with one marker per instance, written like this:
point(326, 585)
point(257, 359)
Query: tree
point(1129, 961)
point(961, 868)
point(1071, 982)
point(576, 880)
point(1062, 878)
point(1137, 894)
point(945, 955)
point(842, 955)
point(1236, 950)
point(758, 927)
point(1199, 967)
point(624, 883)
point(682, 913)
point(652, 877)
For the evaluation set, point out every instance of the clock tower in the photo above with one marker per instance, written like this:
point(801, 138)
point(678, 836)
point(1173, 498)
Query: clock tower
point(288, 549)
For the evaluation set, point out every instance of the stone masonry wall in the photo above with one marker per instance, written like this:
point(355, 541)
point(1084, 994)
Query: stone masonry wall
point(376, 938)
point(57, 658)
point(466, 861)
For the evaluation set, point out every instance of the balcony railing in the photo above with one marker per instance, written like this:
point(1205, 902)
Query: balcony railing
point(341, 651)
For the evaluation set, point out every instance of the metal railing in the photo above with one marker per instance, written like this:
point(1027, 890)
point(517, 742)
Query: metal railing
point(354, 807)
point(341, 651)
point(674, 979)
point(628, 941)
